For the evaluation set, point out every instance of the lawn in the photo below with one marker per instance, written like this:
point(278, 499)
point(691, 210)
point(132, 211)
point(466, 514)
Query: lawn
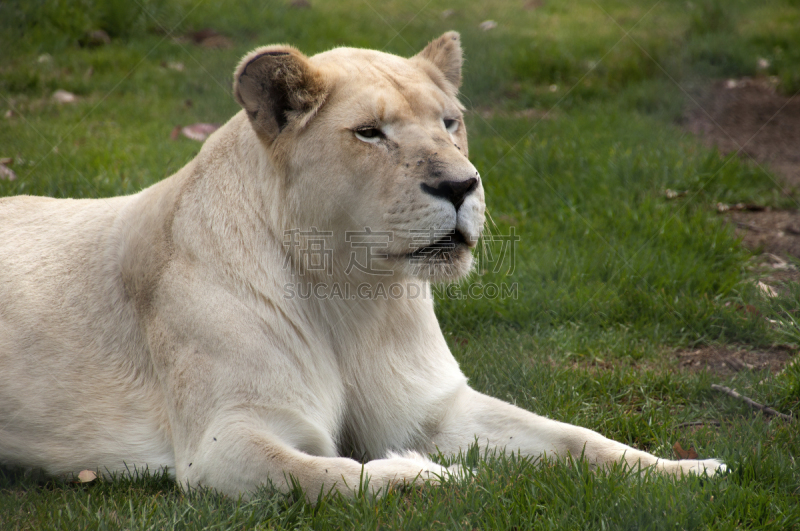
point(574, 123)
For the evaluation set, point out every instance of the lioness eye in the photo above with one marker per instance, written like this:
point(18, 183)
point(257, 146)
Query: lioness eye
point(451, 125)
point(369, 134)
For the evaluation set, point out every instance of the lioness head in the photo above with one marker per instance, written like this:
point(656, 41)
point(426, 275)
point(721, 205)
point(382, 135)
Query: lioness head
point(371, 147)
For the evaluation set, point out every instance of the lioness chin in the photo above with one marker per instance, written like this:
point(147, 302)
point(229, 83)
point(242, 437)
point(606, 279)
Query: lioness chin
point(163, 329)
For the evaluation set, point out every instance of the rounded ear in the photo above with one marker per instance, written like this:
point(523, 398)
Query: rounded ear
point(445, 54)
point(276, 84)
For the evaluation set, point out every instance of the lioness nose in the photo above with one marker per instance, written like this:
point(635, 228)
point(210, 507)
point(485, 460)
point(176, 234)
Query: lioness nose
point(453, 191)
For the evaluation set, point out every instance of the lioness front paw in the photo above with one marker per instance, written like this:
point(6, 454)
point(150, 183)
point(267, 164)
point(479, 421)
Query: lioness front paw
point(417, 468)
point(410, 467)
point(707, 467)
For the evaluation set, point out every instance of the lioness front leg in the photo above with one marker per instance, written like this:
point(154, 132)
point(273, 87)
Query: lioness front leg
point(502, 426)
point(237, 457)
point(243, 412)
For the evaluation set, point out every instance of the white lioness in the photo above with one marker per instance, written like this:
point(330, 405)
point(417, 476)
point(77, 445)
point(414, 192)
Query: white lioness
point(166, 328)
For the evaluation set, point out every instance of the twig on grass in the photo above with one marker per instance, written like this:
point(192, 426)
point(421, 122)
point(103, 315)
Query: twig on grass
point(749, 402)
point(698, 423)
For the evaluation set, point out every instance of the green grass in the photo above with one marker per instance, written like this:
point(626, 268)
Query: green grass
point(602, 245)
point(611, 276)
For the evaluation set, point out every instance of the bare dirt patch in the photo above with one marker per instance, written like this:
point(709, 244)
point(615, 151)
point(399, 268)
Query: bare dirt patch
point(749, 117)
point(776, 232)
point(726, 360)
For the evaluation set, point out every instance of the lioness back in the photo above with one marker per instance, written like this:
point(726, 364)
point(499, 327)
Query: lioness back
point(72, 357)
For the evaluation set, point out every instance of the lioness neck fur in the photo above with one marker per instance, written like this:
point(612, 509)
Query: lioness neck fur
point(156, 330)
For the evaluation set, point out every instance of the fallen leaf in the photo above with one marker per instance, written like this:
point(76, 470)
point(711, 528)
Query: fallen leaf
point(86, 476)
point(203, 34)
point(174, 65)
point(749, 207)
point(487, 25)
point(175, 133)
point(7, 173)
point(97, 38)
point(767, 290)
point(217, 42)
point(680, 453)
point(62, 96)
point(6, 161)
point(749, 308)
point(672, 194)
point(10, 114)
point(199, 132)
point(208, 38)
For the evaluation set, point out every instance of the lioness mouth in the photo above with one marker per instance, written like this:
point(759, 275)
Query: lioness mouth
point(441, 247)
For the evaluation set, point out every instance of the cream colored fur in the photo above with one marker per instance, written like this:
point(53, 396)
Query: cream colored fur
point(155, 330)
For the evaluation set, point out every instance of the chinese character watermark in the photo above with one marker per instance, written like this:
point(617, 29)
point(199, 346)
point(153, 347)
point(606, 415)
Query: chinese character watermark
point(309, 248)
point(429, 248)
point(375, 245)
point(497, 250)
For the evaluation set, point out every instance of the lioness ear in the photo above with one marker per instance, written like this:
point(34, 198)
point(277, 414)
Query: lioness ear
point(445, 54)
point(276, 84)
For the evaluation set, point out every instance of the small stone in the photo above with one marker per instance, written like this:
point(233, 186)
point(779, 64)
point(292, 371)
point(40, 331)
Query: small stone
point(86, 476)
point(62, 96)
